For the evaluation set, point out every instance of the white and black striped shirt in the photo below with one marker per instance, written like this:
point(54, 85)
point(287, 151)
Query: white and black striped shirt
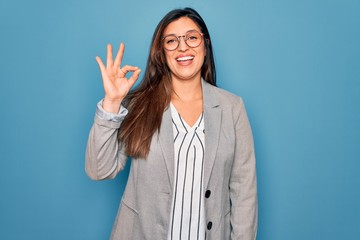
point(187, 220)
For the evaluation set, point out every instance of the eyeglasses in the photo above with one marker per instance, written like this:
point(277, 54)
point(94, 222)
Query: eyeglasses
point(192, 38)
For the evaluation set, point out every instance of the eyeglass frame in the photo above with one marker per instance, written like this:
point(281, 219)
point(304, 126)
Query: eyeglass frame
point(184, 37)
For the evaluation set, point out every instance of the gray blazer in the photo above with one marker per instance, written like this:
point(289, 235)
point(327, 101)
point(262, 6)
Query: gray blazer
point(229, 173)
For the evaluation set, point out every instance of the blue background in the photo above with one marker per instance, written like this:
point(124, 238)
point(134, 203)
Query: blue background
point(295, 63)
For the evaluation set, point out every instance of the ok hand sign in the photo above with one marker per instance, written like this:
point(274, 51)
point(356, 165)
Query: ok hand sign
point(116, 85)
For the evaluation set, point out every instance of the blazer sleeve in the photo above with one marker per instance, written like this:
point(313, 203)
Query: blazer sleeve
point(104, 154)
point(243, 184)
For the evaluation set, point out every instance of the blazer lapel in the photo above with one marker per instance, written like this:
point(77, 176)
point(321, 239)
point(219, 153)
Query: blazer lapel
point(166, 140)
point(212, 118)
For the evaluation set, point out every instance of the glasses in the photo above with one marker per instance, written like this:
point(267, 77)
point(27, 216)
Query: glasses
point(192, 38)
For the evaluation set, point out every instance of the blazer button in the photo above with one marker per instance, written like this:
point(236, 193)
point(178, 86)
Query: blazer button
point(207, 193)
point(209, 225)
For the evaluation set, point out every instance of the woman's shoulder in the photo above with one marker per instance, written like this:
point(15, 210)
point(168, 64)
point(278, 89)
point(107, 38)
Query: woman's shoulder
point(230, 104)
point(225, 96)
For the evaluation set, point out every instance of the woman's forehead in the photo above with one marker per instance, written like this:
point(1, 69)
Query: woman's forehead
point(181, 26)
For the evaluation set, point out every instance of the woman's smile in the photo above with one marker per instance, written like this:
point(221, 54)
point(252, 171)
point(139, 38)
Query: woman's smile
point(185, 60)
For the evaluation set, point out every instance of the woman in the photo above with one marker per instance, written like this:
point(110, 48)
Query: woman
point(192, 171)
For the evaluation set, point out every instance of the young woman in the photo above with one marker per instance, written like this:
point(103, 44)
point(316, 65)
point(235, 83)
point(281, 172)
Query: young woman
point(192, 172)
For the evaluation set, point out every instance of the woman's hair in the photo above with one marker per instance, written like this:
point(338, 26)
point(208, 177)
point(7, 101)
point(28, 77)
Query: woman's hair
point(147, 103)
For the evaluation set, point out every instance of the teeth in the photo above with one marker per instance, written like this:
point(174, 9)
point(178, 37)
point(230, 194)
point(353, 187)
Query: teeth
point(185, 58)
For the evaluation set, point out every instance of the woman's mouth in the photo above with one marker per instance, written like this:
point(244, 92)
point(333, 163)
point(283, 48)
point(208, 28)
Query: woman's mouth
point(184, 59)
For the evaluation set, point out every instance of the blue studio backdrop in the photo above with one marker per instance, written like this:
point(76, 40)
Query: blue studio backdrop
point(295, 63)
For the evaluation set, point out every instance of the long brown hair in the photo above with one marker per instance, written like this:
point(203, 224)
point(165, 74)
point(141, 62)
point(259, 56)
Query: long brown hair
point(147, 103)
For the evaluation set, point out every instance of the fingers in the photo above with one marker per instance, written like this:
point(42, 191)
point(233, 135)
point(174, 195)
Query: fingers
point(134, 76)
point(127, 68)
point(119, 56)
point(109, 57)
point(101, 64)
point(113, 70)
point(135, 73)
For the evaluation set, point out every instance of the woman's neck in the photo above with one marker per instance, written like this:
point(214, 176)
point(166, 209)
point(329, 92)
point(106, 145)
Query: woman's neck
point(187, 90)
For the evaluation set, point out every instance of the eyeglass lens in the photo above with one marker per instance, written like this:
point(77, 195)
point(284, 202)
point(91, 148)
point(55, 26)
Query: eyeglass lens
point(192, 39)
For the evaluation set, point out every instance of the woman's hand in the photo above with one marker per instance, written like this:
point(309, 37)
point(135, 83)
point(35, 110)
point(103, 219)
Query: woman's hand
point(116, 85)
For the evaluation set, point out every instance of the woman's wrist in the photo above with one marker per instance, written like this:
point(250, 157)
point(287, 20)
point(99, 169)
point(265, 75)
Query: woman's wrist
point(111, 105)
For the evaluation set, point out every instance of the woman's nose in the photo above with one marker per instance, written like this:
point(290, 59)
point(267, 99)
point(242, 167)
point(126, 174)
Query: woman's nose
point(182, 44)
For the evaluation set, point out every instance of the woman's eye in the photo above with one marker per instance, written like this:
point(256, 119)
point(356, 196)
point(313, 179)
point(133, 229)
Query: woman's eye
point(192, 37)
point(170, 41)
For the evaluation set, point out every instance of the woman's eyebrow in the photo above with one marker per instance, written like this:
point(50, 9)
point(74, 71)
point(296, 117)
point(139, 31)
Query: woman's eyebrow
point(191, 30)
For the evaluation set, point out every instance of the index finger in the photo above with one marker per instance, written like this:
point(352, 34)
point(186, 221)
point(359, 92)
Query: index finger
point(119, 56)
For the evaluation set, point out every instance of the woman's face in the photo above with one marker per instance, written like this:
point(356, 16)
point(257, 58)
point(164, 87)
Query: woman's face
point(184, 62)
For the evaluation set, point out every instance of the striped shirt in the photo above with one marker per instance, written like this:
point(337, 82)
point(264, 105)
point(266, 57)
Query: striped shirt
point(187, 220)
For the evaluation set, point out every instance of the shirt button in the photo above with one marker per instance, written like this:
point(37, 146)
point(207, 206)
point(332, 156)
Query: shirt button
point(209, 225)
point(207, 193)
